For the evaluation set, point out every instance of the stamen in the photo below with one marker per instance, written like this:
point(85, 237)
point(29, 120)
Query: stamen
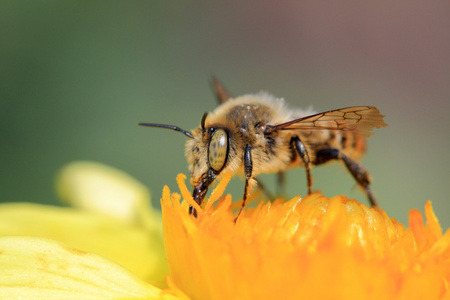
point(432, 221)
point(186, 194)
point(218, 191)
point(176, 201)
point(166, 193)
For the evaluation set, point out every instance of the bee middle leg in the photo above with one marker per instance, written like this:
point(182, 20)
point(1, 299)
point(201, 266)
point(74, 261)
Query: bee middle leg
point(303, 153)
point(248, 169)
point(281, 183)
point(360, 174)
point(261, 186)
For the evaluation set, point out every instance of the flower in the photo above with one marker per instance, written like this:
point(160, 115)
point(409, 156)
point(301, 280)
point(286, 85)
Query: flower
point(36, 268)
point(303, 248)
point(48, 252)
point(310, 248)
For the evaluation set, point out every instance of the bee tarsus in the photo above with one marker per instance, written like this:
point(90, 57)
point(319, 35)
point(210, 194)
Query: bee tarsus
point(357, 170)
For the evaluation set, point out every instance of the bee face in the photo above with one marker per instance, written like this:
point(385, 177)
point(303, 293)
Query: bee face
point(208, 152)
point(197, 154)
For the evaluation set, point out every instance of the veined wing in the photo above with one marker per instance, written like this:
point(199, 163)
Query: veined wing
point(361, 119)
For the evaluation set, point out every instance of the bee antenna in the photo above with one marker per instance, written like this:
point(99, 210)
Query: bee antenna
point(202, 123)
point(176, 128)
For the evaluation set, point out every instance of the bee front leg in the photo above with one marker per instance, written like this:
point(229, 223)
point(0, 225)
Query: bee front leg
point(360, 174)
point(303, 153)
point(248, 169)
point(200, 189)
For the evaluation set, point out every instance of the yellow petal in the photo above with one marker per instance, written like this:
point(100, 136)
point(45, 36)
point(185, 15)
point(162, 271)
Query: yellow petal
point(100, 188)
point(316, 248)
point(136, 248)
point(36, 268)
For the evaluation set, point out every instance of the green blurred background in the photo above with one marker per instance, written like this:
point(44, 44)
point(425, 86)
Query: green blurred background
point(77, 77)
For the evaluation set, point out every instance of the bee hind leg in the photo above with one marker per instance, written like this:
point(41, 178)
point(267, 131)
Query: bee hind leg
point(303, 153)
point(358, 172)
point(261, 186)
point(281, 183)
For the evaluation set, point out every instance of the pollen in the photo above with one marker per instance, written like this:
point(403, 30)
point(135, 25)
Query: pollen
point(304, 248)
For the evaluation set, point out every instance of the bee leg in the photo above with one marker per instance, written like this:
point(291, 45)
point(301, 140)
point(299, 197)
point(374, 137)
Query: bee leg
point(263, 188)
point(360, 174)
point(281, 183)
point(248, 168)
point(200, 190)
point(301, 150)
point(198, 195)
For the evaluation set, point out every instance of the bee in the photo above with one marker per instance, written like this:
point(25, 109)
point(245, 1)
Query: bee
point(258, 133)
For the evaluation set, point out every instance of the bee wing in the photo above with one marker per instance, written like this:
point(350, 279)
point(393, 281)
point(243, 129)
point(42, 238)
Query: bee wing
point(361, 119)
point(220, 91)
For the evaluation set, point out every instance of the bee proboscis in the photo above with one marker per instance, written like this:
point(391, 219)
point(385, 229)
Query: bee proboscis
point(257, 133)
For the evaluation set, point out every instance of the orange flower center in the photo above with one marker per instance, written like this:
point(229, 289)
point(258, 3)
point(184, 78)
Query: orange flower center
point(310, 248)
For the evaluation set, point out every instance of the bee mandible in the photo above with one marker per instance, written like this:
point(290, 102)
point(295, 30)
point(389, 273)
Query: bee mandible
point(258, 133)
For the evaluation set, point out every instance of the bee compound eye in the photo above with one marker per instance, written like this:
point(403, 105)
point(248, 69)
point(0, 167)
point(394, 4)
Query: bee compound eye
point(218, 149)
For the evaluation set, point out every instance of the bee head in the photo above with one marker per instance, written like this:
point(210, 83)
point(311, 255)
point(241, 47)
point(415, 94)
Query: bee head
point(207, 152)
